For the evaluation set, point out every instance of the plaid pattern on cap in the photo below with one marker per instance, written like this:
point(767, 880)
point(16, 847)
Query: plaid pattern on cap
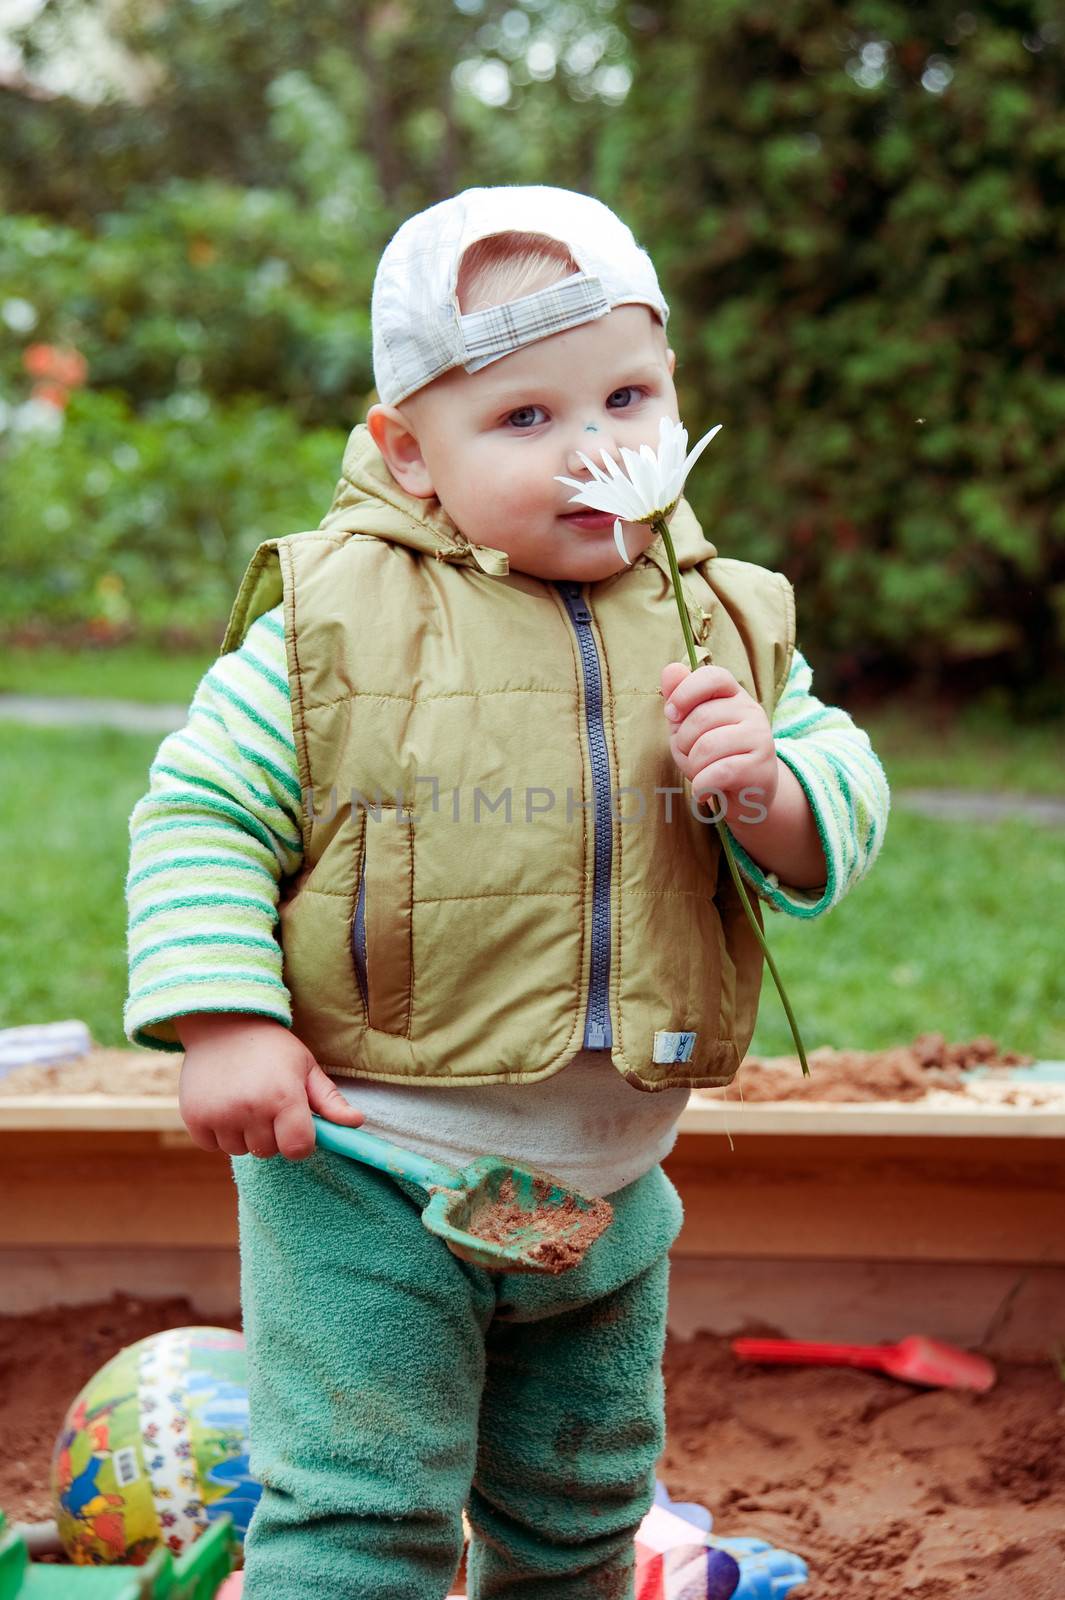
point(418, 330)
point(487, 335)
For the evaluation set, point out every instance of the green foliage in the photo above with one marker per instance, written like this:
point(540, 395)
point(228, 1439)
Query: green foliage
point(203, 286)
point(388, 94)
point(152, 516)
point(856, 212)
point(867, 301)
point(205, 78)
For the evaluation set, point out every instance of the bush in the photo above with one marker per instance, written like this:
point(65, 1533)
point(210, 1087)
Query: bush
point(145, 522)
point(857, 211)
point(229, 291)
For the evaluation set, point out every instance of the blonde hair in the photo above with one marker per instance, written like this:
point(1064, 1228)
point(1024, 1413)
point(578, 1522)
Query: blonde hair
point(506, 266)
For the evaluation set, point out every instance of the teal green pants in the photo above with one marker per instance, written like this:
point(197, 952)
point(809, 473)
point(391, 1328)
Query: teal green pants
point(392, 1384)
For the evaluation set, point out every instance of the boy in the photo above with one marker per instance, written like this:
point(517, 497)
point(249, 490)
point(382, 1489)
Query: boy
point(434, 767)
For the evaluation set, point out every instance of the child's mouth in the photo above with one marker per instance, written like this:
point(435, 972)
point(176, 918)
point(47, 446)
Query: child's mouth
point(591, 521)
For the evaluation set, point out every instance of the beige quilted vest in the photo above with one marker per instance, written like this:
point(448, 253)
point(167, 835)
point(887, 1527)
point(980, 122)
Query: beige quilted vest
point(495, 871)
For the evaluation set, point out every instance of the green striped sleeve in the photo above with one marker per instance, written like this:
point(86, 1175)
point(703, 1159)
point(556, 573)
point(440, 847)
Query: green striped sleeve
point(220, 826)
point(845, 785)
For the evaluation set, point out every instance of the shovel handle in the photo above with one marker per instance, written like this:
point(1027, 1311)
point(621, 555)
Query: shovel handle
point(808, 1353)
point(376, 1152)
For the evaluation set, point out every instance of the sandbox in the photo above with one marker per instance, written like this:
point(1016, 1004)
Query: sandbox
point(883, 1489)
point(932, 1204)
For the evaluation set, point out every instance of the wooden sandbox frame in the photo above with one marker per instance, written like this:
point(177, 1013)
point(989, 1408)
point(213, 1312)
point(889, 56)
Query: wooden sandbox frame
point(859, 1222)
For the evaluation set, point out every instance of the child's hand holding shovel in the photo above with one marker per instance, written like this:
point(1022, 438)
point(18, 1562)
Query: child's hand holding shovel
point(248, 1087)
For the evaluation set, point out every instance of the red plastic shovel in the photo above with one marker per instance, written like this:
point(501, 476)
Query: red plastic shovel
point(914, 1359)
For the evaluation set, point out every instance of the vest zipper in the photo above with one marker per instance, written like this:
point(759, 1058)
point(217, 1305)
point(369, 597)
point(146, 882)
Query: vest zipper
point(597, 1031)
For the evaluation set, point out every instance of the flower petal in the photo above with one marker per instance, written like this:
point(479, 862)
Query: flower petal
point(643, 476)
point(697, 450)
point(600, 496)
point(644, 483)
point(619, 540)
point(597, 472)
point(605, 497)
point(672, 438)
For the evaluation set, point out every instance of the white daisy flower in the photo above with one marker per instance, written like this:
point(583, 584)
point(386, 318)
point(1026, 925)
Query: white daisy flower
point(649, 483)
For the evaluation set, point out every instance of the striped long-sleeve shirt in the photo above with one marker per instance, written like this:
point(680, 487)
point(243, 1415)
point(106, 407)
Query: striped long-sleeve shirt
point(221, 826)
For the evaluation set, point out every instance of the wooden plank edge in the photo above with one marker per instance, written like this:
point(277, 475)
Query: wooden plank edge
point(149, 1113)
point(904, 1118)
point(68, 1113)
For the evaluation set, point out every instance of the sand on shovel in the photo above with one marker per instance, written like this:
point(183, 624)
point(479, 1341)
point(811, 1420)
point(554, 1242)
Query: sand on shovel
point(566, 1229)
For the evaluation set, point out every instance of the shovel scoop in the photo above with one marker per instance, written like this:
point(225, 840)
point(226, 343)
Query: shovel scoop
point(492, 1214)
point(914, 1359)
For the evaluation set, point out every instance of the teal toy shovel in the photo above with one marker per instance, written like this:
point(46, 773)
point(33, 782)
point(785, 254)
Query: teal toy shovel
point(492, 1214)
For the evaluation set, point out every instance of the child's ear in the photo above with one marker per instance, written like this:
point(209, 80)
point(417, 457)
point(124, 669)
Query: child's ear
point(398, 443)
point(671, 361)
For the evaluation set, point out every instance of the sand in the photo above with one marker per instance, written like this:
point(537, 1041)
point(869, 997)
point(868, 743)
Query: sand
point(564, 1222)
point(102, 1071)
point(929, 1066)
point(884, 1489)
point(906, 1072)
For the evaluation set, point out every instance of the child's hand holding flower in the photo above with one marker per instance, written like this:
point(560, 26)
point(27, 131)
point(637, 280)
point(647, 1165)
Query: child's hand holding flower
point(720, 738)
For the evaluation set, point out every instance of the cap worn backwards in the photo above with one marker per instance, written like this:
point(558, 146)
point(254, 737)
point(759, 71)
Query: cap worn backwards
point(419, 331)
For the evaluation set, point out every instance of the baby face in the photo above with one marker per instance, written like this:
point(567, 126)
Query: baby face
point(492, 442)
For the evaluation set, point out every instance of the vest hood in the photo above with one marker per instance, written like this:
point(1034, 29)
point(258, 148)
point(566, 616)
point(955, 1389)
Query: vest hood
point(368, 500)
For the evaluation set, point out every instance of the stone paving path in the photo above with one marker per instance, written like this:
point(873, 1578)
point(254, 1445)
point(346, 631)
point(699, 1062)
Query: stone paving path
point(978, 805)
point(131, 716)
point(79, 711)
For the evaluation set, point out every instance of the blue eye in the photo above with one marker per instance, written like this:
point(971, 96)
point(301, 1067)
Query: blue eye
point(526, 417)
point(623, 397)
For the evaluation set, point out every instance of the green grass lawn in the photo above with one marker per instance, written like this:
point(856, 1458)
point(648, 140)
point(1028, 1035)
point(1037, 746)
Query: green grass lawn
point(924, 747)
point(63, 817)
point(120, 672)
point(952, 930)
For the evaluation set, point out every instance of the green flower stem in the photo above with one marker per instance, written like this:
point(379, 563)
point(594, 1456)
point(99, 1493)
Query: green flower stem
point(660, 526)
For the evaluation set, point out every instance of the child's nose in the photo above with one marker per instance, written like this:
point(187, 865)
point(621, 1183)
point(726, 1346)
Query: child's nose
point(592, 440)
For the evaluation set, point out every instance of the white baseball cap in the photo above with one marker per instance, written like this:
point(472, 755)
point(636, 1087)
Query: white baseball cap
point(419, 331)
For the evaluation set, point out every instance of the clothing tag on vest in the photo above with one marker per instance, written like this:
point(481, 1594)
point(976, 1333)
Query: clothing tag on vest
point(673, 1046)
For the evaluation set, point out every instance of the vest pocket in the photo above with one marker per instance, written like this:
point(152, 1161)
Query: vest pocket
point(382, 927)
point(358, 939)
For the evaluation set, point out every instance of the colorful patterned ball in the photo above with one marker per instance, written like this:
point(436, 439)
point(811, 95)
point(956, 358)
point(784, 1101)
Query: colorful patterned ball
point(154, 1448)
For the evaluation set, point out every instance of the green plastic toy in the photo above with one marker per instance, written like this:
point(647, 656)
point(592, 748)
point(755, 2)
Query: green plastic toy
point(196, 1575)
point(495, 1215)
